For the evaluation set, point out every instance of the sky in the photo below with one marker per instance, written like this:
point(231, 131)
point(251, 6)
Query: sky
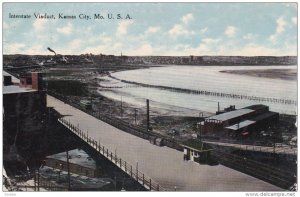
point(179, 29)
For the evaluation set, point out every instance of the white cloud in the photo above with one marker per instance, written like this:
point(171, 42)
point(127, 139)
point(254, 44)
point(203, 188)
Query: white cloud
point(230, 31)
point(178, 30)
point(39, 24)
point(13, 48)
point(145, 49)
point(294, 20)
point(260, 50)
point(210, 40)
point(280, 25)
point(249, 36)
point(280, 28)
point(152, 30)
point(203, 30)
point(66, 30)
point(75, 44)
point(187, 18)
point(122, 27)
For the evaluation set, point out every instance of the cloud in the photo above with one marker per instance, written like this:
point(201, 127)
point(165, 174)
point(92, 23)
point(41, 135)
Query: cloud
point(280, 28)
point(122, 27)
point(66, 30)
point(203, 30)
point(179, 30)
point(145, 49)
point(75, 44)
point(39, 25)
point(152, 30)
point(187, 18)
point(249, 36)
point(13, 48)
point(210, 40)
point(280, 25)
point(294, 20)
point(253, 49)
point(230, 31)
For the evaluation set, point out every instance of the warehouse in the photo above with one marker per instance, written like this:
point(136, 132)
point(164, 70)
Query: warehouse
point(242, 121)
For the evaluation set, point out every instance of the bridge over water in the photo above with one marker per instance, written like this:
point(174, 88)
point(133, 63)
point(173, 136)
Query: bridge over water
point(164, 166)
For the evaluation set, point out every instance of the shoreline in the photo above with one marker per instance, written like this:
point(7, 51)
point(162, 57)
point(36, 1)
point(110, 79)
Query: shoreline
point(284, 74)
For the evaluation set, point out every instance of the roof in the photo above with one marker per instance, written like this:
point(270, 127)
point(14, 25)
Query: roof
point(77, 181)
point(240, 125)
point(76, 156)
point(12, 89)
point(230, 115)
point(264, 116)
point(257, 107)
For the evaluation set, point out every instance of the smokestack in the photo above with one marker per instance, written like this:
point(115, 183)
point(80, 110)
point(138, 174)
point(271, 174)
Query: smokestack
point(51, 50)
point(148, 115)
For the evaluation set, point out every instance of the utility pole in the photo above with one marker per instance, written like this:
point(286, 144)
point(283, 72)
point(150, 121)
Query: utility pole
point(135, 114)
point(148, 115)
point(68, 166)
point(121, 106)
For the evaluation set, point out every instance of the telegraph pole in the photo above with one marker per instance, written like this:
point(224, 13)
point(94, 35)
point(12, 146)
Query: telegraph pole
point(135, 114)
point(148, 115)
point(121, 107)
point(68, 166)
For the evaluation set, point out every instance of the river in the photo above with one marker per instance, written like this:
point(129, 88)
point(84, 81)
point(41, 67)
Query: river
point(203, 78)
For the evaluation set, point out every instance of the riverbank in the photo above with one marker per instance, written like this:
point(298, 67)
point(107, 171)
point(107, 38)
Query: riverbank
point(285, 74)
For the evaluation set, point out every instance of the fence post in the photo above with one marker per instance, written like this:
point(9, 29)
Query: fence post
point(131, 171)
point(143, 179)
point(121, 163)
point(125, 167)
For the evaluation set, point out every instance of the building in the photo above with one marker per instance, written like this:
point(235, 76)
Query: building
point(24, 106)
point(79, 163)
point(237, 122)
point(86, 104)
point(24, 118)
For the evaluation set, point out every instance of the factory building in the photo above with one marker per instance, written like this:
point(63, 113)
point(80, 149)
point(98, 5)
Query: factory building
point(237, 122)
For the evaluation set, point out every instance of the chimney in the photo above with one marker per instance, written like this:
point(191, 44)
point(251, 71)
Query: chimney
point(36, 80)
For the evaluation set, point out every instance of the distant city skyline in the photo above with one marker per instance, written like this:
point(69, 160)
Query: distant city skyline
point(179, 29)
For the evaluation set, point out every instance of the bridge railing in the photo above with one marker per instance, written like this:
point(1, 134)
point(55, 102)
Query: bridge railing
point(134, 173)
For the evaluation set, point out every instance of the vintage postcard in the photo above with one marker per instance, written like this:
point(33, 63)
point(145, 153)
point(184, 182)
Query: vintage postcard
point(150, 97)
